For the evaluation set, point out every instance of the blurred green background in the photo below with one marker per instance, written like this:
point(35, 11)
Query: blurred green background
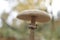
point(17, 29)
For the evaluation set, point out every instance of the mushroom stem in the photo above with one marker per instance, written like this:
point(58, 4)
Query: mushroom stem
point(32, 30)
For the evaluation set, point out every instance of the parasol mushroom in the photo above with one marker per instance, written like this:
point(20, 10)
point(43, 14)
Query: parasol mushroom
point(34, 16)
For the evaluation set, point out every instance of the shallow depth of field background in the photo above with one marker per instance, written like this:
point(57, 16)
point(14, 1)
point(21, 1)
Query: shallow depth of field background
point(11, 27)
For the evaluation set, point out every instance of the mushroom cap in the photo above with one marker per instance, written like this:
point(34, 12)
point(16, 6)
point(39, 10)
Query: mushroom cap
point(40, 16)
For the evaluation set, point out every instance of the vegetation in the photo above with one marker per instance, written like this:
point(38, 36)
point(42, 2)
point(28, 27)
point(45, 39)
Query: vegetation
point(43, 31)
